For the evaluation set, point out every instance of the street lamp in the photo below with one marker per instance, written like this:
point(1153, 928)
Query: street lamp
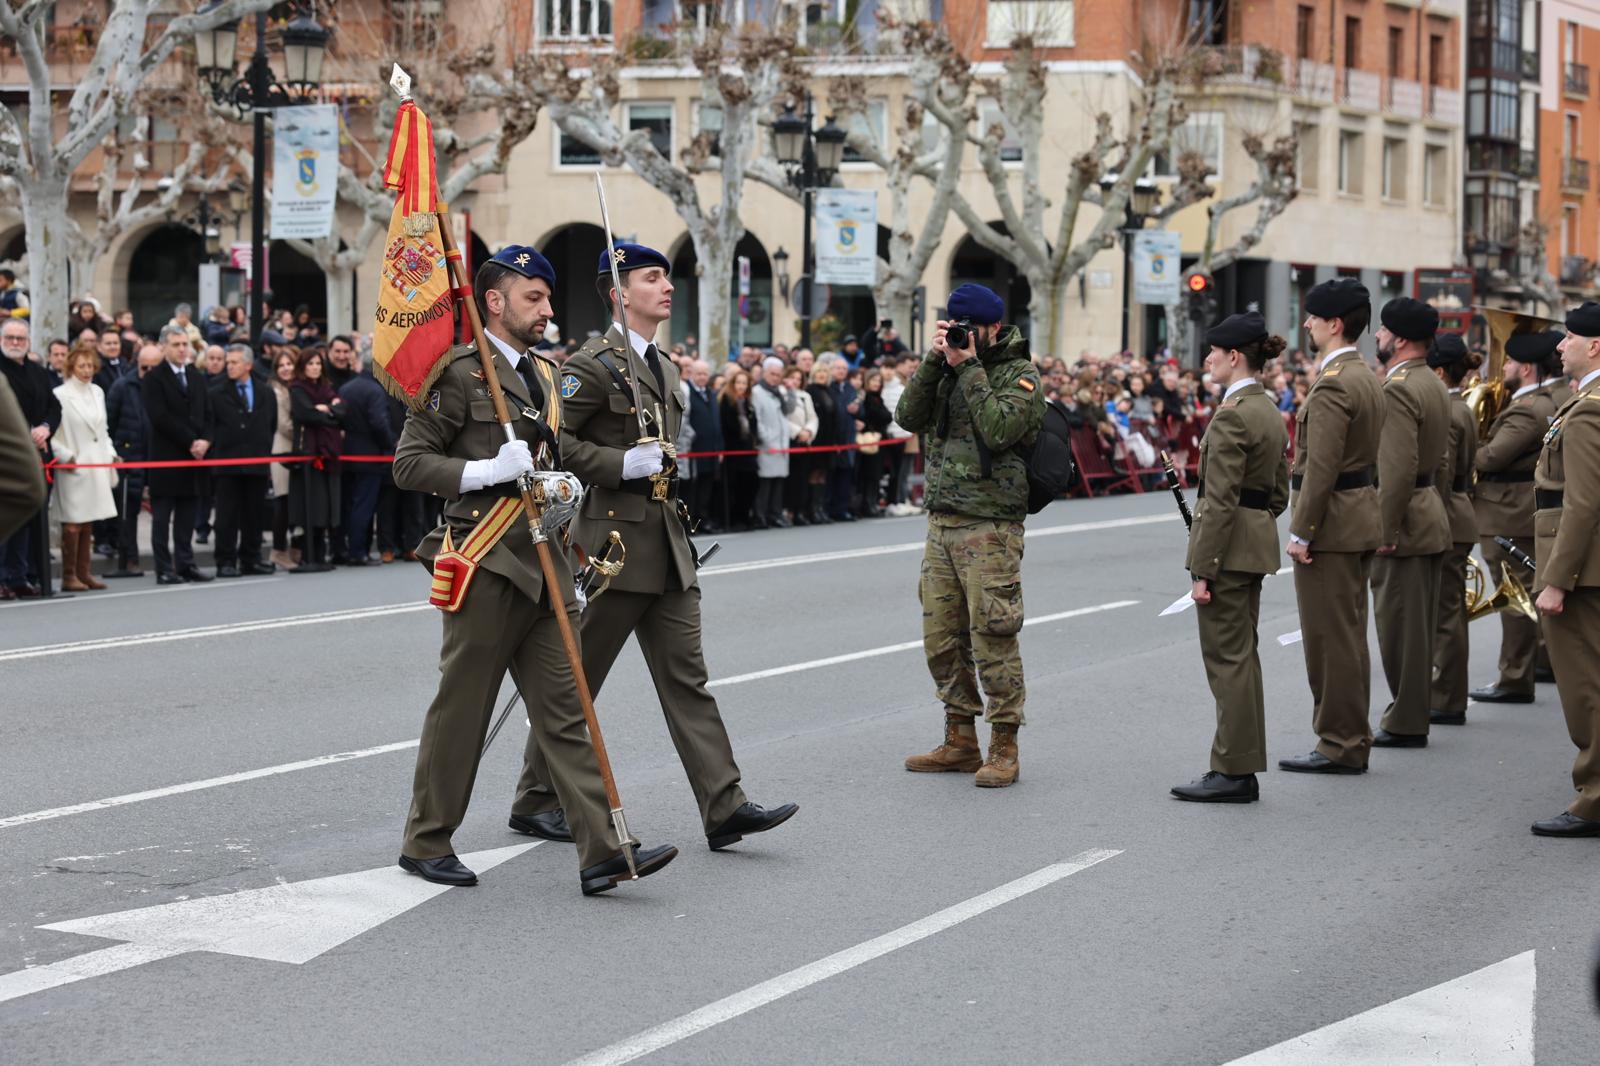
point(256, 92)
point(810, 158)
point(1142, 202)
point(780, 263)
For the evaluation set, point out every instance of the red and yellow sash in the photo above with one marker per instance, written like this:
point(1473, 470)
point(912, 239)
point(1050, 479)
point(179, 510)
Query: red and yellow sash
point(453, 569)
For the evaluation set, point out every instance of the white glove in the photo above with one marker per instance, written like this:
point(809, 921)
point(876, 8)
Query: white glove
point(513, 460)
point(583, 601)
point(642, 460)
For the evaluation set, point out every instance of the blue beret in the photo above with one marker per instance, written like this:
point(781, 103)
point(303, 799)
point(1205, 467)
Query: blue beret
point(526, 260)
point(981, 305)
point(1236, 331)
point(632, 257)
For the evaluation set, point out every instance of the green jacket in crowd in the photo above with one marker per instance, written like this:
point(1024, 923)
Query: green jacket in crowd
point(983, 409)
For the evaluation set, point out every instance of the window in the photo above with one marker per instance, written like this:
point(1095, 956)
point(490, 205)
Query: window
point(1569, 230)
point(1201, 134)
point(1352, 42)
point(1569, 135)
point(989, 115)
point(1435, 59)
point(1397, 51)
point(1569, 42)
point(1308, 154)
point(1436, 175)
point(1049, 22)
point(1492, 107)
point(1394, 168)
point(1491, 209)
point(873, 124)
point(657, 119)
point(708, 120)
point(657, 15)
point(1351, 161)
point(1208, 21)
point(574, 19)
point(1305, 19)
point(571, 152)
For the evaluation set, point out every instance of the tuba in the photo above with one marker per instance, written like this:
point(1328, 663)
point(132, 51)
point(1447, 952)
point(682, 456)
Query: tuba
point(1486, 395)
point(1510, 598)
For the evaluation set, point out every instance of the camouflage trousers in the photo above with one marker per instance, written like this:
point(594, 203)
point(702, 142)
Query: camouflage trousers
point(971, 593)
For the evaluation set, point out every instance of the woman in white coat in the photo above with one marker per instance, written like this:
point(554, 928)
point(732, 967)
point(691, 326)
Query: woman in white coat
point(82, 497)
point(772, 404)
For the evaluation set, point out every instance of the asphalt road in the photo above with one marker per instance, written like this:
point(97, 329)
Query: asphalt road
point(1175, 933)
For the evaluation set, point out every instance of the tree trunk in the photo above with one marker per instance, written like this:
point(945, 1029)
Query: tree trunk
point(341, 291)
point(44, 205)
point(1180, 334)
point(1048, 326)
point(714, 265)
point(892, 300)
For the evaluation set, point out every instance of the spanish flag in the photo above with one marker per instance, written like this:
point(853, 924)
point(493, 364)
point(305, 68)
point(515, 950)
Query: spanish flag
point(413, 326)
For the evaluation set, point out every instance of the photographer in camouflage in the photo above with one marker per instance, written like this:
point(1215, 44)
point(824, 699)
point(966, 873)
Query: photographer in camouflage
point(978, 401)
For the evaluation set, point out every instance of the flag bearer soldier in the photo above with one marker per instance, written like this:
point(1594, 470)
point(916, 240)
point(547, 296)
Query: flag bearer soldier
point(632, 487)
point(1233, 545)
point(1335, 527)
point(1450, 360)
point(1413, 457)
point(1567, 535)
point(499, 613)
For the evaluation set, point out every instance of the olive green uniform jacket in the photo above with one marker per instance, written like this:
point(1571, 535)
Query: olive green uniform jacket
point(1243, 454)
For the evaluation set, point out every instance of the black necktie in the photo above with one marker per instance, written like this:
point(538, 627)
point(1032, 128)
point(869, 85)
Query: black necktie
point(183, 381)
point(530, 378)
point(244, 397)
point(652, 359)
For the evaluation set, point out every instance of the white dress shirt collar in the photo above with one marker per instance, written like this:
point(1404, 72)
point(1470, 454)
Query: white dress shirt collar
point(1336, 353)
point(1236, 386)
point(1520, 393)
point(1587, 378)
point(513, 356)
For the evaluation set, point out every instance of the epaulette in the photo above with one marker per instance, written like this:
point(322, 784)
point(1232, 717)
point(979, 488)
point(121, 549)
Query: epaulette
point(462, 351)
point(1332, 372)
point(1232, 401)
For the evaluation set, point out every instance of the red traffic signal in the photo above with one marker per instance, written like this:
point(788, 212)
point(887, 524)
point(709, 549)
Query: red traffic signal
point(1199, 283)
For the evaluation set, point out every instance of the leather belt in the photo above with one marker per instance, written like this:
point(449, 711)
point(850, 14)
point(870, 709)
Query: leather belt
point(1255, 499)
point(1548, 499)
point(1508, 476)
point(1350, 479)
point(1424, 481)
point(643, 486)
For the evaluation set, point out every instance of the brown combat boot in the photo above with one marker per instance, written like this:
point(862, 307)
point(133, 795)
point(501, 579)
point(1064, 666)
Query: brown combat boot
point(1000, 769)
point(959, 754)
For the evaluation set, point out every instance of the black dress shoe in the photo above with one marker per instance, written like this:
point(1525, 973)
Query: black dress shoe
point(1216, 787)
point(1544, 675)
point(547, 825)
point(26, 591)
point(1317, 763)
point(1446, 718)
point(258, 568)
point(749, 818)
point(202, 536)
point(228, 571)
point(194, 573)
point(604, 876)
point(355, 561)
point(445, 870)
point(1566, 824)
point(169, 579)
point(1496, 694)
point(1385, 739)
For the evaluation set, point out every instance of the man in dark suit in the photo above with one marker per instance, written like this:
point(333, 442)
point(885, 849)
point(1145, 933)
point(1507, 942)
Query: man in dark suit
point(367, 431)
point(30, 383)
point(244, 418)
point(705, 418)
point(180, 428)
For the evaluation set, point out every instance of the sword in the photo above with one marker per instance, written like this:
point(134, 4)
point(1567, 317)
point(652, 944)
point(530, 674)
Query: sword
point(1516, 553)
point(622, 315)
point(1177, 490)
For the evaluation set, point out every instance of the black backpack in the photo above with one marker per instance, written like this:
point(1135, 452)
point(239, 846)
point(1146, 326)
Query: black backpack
point(1051, 471)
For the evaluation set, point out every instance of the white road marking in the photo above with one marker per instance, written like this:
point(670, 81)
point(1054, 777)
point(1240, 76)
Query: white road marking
point(1184, 602)
point(383, 749)
point(163, 590)
point(197, 786)
point(871, 653)
point(1289, 638)
point(41, 651)
point(916, 546)
point(681, 1028)
point(289, 922)
point(1484, 1018)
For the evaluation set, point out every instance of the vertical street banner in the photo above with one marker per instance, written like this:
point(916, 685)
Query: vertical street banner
point(305, 171)
point(847, 236)
point(1157, 266)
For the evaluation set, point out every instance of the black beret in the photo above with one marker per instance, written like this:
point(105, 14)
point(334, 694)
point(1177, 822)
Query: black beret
point(1585, 320)
point(1337, 297)
point(1236, 331)
point(1536, 348)
point(1409, 319)
point(526, 260)
point(1448, 350)
point(631, 257)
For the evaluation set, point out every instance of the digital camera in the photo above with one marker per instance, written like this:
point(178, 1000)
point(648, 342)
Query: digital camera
point(959, 334)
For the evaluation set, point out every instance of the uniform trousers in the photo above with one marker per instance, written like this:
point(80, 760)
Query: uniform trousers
point(499, 628)
point(1230, 644)
point(1405, 595)
point(1332, 597)
point(1450, 643)
point(1573, 637)
point(971, 594)
point(1519, 638)
point(668, 627)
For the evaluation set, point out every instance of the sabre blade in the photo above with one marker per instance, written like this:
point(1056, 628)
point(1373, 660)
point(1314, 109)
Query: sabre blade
point(620, 312)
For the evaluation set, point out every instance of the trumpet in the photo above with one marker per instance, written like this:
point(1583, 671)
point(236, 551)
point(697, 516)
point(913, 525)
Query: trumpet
point(1511, 597)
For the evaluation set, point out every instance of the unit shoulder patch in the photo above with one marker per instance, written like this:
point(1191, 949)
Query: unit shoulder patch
point(569, 386)
point(432, 403)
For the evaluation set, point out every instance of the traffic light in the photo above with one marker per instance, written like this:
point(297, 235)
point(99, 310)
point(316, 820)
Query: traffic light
point(1201, 284)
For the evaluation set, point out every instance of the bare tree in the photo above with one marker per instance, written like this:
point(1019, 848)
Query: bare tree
point(43, 145)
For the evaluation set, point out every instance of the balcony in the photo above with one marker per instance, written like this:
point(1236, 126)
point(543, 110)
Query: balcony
point(1444, 105)
point(1577, 81)
point(1360, 88)
point(1403, 97)
point(1576, 270)
point(1574, 175)
point(1527, 164)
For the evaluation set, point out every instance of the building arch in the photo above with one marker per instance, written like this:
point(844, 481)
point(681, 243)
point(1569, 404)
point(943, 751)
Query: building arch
point(295, 281)
point(574, 249)
point(971, 262)
point(13, 243)
point(686, 302)
point(163, 270)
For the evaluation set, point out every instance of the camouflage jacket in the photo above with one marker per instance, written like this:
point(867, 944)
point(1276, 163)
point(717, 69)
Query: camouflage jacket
point(992, 404)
